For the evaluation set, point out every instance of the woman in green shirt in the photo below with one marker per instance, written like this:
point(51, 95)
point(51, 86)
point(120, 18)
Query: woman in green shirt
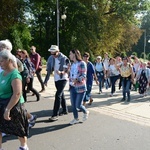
point(13, 116)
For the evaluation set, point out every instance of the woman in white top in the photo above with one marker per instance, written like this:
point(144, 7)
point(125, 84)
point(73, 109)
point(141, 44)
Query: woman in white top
point(114, 74)
point(100, 72)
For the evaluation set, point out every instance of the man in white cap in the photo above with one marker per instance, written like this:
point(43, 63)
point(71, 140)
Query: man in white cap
point(58, 63)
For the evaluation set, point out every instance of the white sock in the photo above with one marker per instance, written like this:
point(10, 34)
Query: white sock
point(31, 117)
point(25, 146)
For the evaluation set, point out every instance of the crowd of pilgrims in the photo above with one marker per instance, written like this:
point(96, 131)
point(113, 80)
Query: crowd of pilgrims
point(131, 72)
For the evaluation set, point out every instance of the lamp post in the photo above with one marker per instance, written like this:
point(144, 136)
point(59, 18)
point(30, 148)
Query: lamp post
point(144, 43)
point(58, 23)
point(63, 17)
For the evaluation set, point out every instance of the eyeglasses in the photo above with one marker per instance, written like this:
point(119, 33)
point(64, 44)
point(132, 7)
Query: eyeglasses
point(85, 56)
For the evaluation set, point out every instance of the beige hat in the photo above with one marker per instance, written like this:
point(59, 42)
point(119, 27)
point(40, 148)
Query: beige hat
point(54, 48)
point(99, 57)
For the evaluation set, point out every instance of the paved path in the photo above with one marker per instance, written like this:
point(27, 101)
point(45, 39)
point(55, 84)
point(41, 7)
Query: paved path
point(138, 110)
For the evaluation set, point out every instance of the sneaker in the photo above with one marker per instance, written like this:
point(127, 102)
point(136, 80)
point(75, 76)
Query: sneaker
point(33, 120)
point(31, 125)
point(128, 100)
point(123, 99)
point(38, 97)
point(42, 91)
point(63, 113)
point(53, 118)
point(74, 121)
point(111, 95)
point(21, 148)
point(4, 134)
point(90, 102)
point(85, 116)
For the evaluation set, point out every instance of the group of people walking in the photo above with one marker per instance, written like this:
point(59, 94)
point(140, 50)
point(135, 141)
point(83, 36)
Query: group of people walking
point(15, 79)
point(129, 71)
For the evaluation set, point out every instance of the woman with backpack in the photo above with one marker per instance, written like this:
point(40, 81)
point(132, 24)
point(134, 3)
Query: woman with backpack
point(30, 77)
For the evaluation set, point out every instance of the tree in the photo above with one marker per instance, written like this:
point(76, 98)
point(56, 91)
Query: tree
point(11, 12)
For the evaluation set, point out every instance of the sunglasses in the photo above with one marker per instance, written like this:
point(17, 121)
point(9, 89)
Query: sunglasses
point(85, 56)
point(53, 54)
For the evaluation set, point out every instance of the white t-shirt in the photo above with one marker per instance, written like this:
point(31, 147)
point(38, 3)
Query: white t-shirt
point(106, 63)
point(56, 68)
point(113, 70)
point(73, 72)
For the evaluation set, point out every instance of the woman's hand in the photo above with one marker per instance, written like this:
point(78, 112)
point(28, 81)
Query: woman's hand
point(7, 114)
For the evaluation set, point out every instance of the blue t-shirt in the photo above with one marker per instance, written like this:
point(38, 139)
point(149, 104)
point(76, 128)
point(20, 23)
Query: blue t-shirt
point(90, 73)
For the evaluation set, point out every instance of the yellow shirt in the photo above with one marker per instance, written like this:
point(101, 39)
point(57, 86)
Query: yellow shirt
point(125, 70)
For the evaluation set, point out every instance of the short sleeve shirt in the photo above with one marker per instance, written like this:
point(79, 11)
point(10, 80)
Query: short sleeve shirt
point(5, 84)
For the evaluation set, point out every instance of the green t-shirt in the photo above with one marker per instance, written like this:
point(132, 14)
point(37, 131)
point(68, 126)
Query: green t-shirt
point(5, 84)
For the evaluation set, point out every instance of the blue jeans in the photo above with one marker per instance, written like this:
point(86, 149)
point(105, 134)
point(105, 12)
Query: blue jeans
point(126, 88)
point(76, 102)
point(100, 80)
point(113, 80)
point(88, 93)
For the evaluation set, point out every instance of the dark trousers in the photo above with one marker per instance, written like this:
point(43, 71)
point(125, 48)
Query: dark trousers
point(30, 87)
point(59, 97)
point(113, 80)
point(39, 76)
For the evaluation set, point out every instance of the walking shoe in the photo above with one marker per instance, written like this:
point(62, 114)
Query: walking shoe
point(74, 121)
point(33, 119)
point(91, 101)
point(4, 134)
point(21, 148)
point(128, 100)
point(53, 118)
point(38, 97)
point(31, 125)
point(85, 116)
point(111, 95)
point(63, 113)
point(123, 99)
point(42, 91)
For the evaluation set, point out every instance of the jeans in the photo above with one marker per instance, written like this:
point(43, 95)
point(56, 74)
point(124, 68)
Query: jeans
point(100, 80)
point(39, 76)
point(113, 80)
point(88, 93)
point(76, 102)
point(59, 97)
point(126, 88)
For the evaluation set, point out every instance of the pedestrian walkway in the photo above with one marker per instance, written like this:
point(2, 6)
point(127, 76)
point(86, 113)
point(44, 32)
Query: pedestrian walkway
point(138, 110)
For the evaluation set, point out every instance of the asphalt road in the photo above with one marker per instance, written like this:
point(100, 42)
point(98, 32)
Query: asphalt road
point(99, 132)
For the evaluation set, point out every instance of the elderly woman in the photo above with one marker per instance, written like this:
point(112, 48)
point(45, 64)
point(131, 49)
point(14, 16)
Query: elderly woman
point(13, 117)
point(143, 78)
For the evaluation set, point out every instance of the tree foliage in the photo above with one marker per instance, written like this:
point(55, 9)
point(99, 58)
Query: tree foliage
point(95, 26)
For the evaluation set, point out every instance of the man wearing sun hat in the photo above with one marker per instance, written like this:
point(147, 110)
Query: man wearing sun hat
point(58, 63)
